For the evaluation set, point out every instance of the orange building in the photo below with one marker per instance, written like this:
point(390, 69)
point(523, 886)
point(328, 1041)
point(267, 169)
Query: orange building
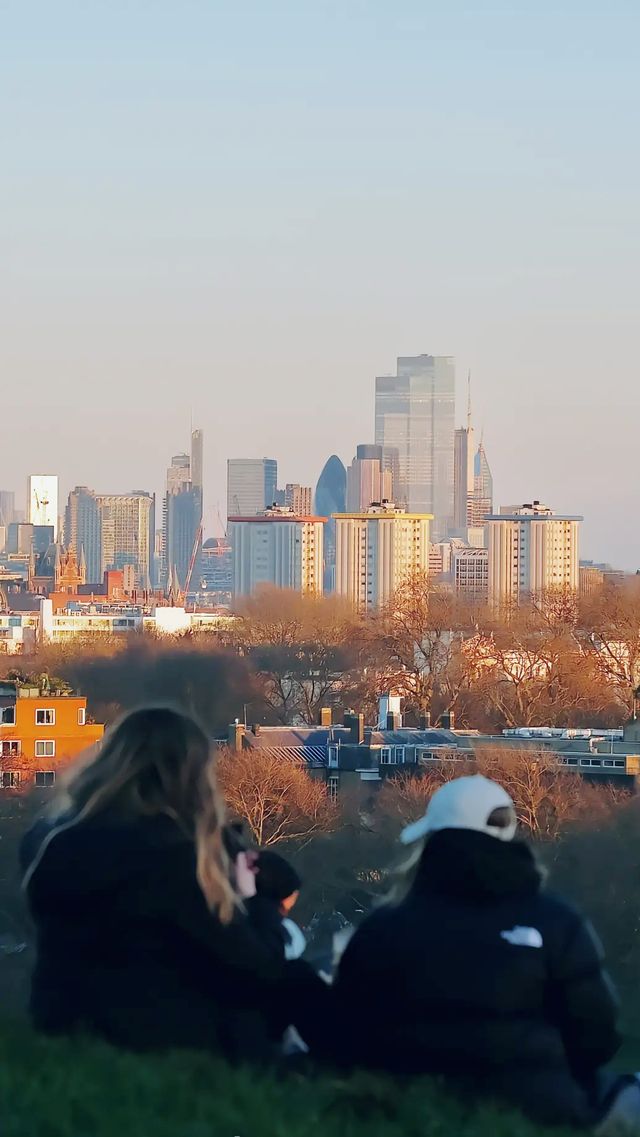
point(41, 732)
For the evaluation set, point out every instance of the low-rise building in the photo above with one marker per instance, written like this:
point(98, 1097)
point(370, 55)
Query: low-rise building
point(41, 731)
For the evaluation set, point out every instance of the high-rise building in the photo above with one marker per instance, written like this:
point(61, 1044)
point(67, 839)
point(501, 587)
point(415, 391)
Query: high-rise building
point(276, 548)
point(127, 523)
point(182, 516)
point(532, 552)
point(216, 570)
point(330, 497)
point(482, 487)
point(367, 479)
point(377, 550)
point(7, 507)
point(251, 485)
point(415, 424)
point(463, 475)
point(197, 460)
point(42, 500)
point(298, 498)
point(83, 531)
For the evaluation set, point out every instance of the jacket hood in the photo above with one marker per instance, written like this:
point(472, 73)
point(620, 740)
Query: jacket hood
point(474, 866)
point(95, 855)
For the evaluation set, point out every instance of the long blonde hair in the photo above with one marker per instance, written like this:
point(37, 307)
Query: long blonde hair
point(158, 760)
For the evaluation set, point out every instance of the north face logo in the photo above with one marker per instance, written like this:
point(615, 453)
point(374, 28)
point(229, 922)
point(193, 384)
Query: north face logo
point(523, 937)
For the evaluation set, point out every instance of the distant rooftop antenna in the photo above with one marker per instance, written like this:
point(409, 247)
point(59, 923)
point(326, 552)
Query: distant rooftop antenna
point(469, 399)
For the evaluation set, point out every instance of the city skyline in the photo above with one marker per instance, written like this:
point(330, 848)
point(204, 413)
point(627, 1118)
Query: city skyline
point(257, 239)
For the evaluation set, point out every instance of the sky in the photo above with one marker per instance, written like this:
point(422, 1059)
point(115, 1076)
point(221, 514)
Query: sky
point(241, 211)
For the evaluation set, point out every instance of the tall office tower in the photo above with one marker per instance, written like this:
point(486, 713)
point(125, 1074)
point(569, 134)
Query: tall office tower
point(182, 516)
point(42, 500)
point(367, 479)
point(127, 523)
point(7, 507)
point(197, 467)
point(532, 551)
point(463, 475)
point(377, 550)
point(330, 497)
point(276, 548)
point(251, 485)
point(415, 424)
point(482, 487)
point(298, 498)
point(83, 531)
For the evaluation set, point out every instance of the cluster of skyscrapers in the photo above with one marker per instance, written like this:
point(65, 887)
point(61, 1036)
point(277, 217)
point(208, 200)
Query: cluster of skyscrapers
point(416, 499)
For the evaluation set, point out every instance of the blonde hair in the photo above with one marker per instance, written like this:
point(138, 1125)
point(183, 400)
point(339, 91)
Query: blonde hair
point(158, 760)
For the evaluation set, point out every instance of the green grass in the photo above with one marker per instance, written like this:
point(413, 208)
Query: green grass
point(84, 1089)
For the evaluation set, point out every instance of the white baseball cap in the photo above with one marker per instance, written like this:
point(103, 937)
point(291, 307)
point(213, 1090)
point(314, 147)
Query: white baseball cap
point(464, 803)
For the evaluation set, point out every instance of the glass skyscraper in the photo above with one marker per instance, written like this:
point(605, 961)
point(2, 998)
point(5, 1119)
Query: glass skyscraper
point(415, 425)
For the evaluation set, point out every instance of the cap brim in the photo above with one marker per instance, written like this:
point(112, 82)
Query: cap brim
point(414, 832)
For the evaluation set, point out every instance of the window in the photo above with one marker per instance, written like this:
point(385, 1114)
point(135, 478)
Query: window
point(399, 755)
point(45, 779)
point(45, 749)
point(9, 779)
point(333, 755)
point(387, 756)
point(334, 785)
point(8, 716)
point(46, 717)
point(82, 716)
point(9, 748)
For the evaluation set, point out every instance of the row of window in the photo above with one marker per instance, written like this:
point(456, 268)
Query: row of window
point(12, 748)
point(10, 779)
point(45, 716)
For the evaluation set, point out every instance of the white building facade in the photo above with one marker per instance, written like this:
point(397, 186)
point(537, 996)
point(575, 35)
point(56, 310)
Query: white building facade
point(377, 550)
point(532, 551)
point(279, 548)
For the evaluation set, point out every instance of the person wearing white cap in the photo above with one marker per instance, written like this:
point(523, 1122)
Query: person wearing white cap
point(473, 971)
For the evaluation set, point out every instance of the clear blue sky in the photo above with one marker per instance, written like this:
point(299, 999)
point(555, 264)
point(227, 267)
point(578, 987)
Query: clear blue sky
point(249, 208)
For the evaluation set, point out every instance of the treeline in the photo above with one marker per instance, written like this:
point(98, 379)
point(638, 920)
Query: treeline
point(560, 661)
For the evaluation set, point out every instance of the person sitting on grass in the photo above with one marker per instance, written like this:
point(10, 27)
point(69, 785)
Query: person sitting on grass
point(149, 931)
point(475, 972)
point(278, 881)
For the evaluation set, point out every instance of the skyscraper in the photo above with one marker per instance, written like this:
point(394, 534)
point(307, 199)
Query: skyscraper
point(127, 523)
point(482, 487)
point(42, 500)
point(367, 479)
point(251, 485)
point(182, 515)
point(532, 551)
point(83, 531)
point(330, 497)
point(378, 549)
point(463, 475)
point(415, 424)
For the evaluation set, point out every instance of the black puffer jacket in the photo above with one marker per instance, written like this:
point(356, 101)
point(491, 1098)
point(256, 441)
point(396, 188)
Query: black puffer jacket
point(127, 948)
point(480, 975)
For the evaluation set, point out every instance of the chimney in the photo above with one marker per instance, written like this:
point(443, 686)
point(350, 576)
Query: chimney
point(356, 727)
point(447, 720)
point(325, 716)
point(394, 720)
point(425, 721)
point(235, 736)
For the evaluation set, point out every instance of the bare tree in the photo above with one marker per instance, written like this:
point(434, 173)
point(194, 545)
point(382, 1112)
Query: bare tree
point(277, 798)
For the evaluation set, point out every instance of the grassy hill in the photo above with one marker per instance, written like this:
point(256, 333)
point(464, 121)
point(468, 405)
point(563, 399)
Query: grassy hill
point(79, 1089)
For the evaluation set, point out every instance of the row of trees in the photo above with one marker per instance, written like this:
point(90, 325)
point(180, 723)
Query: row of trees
point(557, 661)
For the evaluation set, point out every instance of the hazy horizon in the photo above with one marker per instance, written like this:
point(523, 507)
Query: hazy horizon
point(241, 214)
